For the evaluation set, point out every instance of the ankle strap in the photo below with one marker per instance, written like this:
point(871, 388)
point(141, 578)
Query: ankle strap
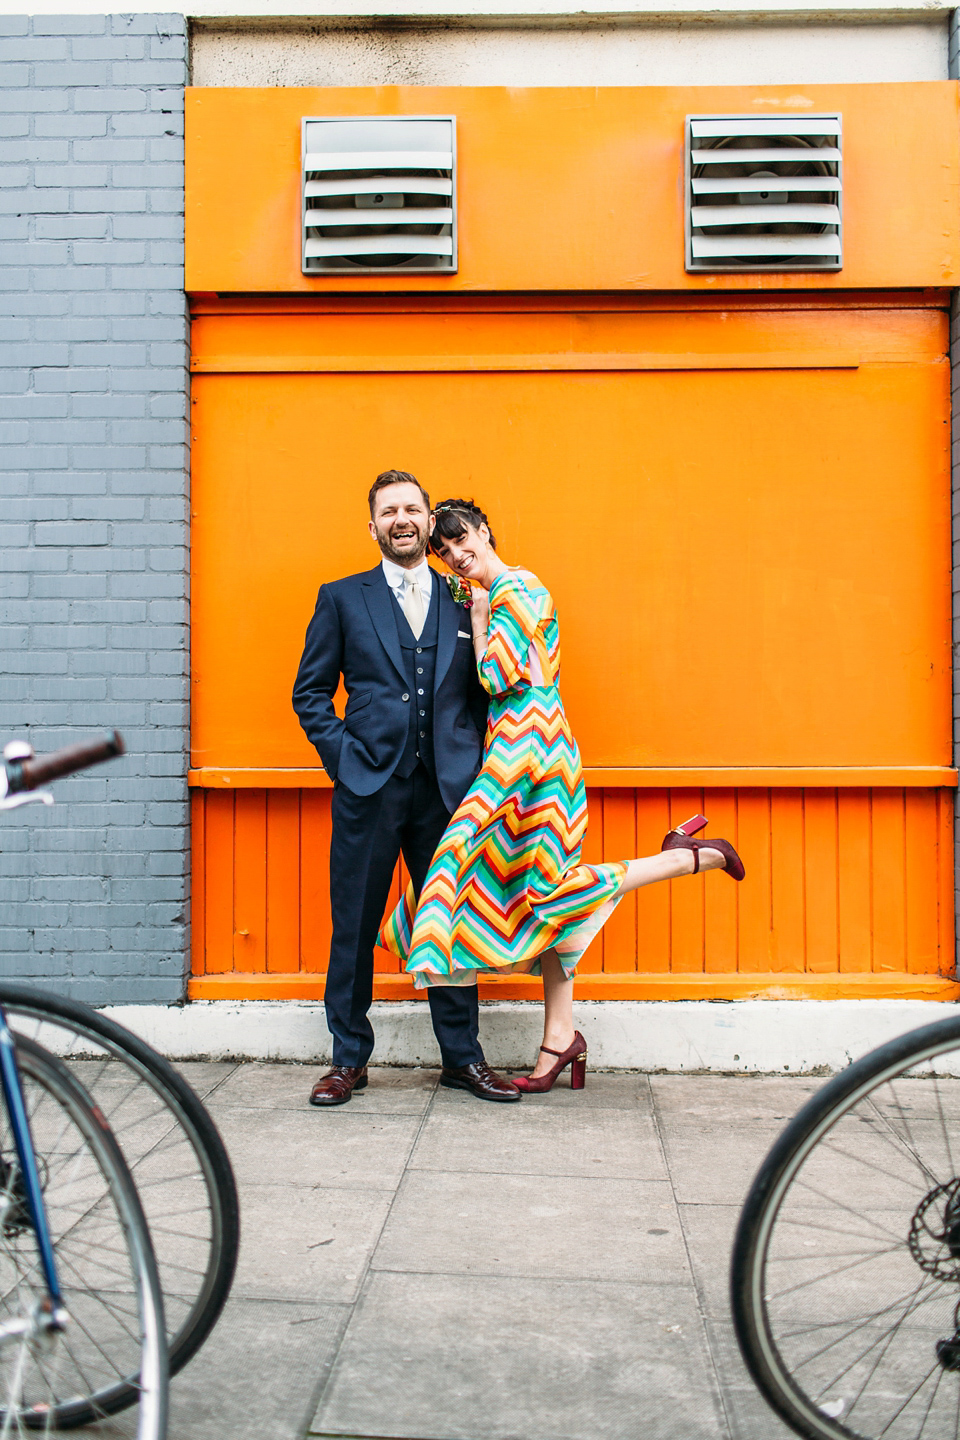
point(547, 1051)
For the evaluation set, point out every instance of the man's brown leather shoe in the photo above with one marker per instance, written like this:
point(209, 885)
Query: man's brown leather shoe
point(339, 1083)
point(483, 1082)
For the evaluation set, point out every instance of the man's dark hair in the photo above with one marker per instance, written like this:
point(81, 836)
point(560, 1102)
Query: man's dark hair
point(394, 477)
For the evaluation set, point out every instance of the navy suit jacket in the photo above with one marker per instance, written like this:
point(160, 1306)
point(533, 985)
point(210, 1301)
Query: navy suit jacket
point(354, 633)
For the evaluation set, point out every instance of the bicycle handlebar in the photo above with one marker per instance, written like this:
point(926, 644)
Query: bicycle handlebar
point(31, 772)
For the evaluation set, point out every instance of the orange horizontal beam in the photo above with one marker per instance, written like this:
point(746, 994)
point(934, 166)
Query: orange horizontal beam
point(769, 986)
point(764, 777)
point(241, 364)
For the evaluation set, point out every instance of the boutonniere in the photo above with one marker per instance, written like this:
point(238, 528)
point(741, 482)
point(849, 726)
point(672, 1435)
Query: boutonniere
point(461, 591)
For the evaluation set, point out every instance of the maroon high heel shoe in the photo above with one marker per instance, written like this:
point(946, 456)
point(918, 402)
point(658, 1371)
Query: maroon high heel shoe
point(575, 1056)
point(682, 839)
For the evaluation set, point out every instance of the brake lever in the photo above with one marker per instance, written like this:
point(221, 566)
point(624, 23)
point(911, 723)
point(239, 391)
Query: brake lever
point(27, 797)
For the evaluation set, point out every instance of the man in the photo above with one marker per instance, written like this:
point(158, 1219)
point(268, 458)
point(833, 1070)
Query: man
point(401, 760)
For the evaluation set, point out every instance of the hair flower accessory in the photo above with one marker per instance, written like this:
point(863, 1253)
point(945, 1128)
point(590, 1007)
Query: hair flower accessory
point(460, 590)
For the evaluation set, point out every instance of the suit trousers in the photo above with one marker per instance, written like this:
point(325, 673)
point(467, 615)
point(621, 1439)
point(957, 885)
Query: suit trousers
point(405, 816)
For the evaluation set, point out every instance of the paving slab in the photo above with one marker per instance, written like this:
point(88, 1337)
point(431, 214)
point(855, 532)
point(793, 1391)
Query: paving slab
point(343, 1148)
point(535, 1140)
point(304, 1243)
point(537, 1226)
point(522, 1360)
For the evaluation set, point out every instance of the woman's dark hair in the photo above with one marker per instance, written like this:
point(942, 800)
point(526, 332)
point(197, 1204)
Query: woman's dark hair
point(453, 517)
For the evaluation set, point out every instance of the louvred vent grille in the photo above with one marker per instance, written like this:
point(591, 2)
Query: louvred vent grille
point(379, 194)
point(764, 193)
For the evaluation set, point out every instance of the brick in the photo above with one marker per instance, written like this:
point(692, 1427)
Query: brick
point(72, 533)
point(109, 253)
point(111, 100)
point(109, 406)
point(148, 123)
point(69, 24)
point(71, 73)
point(148, 227)
point(110, 47)
point(30, 101)
point(32, 152)
point(70, 227)
point(110, 203)
point(109, 151)
point(72, 176)
point(70, 125)
point(70, 380)
point(152, 72)
point(35, 47)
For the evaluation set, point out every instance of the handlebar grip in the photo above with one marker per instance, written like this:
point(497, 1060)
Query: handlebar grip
point(41, 769)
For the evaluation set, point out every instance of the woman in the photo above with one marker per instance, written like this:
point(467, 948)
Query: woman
point(506, 892)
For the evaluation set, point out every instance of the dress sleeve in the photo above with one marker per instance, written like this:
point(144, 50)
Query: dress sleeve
point(514, 617)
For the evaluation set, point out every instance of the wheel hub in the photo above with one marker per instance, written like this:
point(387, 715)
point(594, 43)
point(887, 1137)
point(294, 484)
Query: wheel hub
point(934, 1238)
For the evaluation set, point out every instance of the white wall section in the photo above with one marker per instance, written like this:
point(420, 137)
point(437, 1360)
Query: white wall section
point(749, 1036)
point(603, 55)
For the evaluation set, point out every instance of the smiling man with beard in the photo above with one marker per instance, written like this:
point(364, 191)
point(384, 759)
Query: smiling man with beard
point(401, 759)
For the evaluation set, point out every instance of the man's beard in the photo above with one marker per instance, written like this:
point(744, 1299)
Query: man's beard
point(405, 558)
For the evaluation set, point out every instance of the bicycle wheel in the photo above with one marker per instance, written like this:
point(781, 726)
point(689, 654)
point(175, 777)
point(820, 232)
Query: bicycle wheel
point(112, 1349)
point(172, 1148)
point(845, 1279)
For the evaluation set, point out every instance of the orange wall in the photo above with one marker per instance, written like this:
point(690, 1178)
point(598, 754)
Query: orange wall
point(572, 189)
point(847, 892)
point(746, 524)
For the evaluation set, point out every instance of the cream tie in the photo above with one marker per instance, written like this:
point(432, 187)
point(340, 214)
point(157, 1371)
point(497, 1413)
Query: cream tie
point(413, 604)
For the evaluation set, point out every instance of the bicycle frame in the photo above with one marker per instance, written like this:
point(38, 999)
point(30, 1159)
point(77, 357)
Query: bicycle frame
point(51, 1313)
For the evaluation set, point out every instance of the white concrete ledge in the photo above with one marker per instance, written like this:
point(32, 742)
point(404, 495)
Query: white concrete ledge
point(757, 1036)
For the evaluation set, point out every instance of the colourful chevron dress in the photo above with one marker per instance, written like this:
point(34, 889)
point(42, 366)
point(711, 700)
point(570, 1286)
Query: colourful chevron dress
point(506, 882)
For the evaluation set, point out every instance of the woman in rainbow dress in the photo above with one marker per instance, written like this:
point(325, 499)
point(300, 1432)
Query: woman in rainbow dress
point(506, 892)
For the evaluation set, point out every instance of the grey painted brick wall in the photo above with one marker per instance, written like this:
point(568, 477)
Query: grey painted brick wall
point(93, 524)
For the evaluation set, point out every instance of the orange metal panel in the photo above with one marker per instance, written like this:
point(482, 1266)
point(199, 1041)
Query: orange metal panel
point(721, 903)
point(946, 820)
point(653, 902)
point(594, 850)
point(754, 839)
point(218, 845)
point(283, 880)
point(853, 893)
point(620, 838)
point(198, 888)
point(686, 898)
point(833, 556)
point(821, 877)
point(923, 882)
point(889, 907)
point(787, 948)
point(314, 879)
point(250, 882)
point(563, 189)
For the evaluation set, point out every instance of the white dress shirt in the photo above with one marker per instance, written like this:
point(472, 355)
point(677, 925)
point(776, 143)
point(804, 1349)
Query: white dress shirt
point(396, 575)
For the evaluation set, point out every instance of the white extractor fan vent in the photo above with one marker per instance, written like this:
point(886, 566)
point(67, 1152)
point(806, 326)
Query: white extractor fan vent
point(764, 193)
point(379, 194)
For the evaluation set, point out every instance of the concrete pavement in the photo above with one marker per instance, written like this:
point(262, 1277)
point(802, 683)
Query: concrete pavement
point(421, 1264)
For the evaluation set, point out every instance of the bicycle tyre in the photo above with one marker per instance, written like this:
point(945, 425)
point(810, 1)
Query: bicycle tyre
point(73, 1145)
point(76, 1032)
point(774, 1197)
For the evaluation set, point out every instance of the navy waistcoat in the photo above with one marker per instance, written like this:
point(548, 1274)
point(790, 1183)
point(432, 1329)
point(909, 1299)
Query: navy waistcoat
point(420, 666)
